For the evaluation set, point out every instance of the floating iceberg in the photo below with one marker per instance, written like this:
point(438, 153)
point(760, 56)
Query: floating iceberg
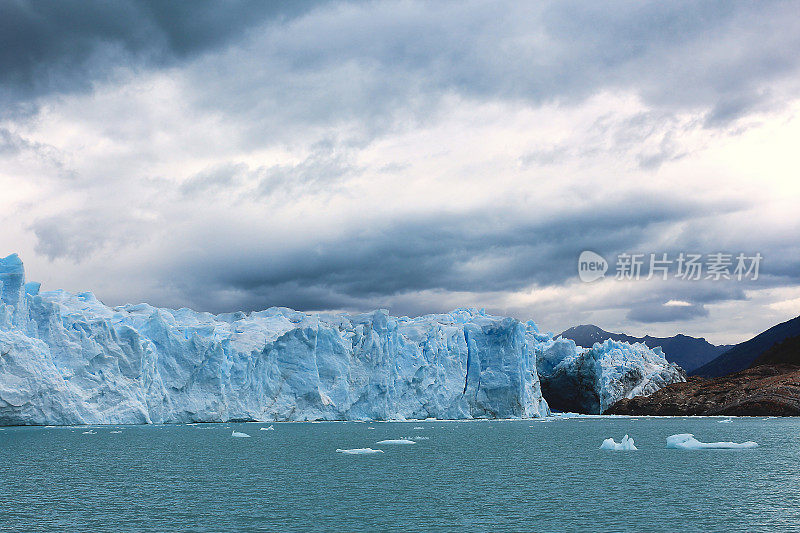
point(359, 451)
point(70, 359)
point(726, 421)
point(396, 441)
point(418, 427)
point(686, 441)
point(625, 445)
point(239, 434)
point(268, 428)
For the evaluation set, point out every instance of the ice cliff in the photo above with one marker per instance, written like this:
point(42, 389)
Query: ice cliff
point(592, 380)
point(69, 359)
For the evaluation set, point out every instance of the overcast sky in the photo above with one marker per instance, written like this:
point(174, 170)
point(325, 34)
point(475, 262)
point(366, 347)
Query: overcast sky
point(406, 155)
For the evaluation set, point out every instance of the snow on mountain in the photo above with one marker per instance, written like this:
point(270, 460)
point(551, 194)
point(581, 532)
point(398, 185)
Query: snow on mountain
point(69, 359)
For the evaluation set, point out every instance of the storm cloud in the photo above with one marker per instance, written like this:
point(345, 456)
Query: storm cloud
point(58, 47)
point(411, 155)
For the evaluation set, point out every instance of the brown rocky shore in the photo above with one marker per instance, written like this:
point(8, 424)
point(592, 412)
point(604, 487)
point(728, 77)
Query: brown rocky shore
point(770, 387)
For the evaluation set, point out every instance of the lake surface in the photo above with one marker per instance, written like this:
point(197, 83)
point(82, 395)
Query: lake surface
point(469, 476)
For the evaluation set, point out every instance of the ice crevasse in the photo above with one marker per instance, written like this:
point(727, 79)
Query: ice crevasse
point(69, 359)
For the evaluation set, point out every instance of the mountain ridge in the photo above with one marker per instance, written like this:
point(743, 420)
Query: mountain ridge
point(742, 355)
point(687, 351)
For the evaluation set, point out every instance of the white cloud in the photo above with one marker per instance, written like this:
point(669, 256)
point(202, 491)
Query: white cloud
point(677, 303)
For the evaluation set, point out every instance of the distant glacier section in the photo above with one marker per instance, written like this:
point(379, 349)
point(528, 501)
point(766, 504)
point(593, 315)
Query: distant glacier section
point(69, 359)
point(591, 380)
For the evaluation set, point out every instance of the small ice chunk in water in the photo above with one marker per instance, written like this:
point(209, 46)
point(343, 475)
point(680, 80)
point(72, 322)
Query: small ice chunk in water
point(686, 441)
point(416, 438)
point(358, 451)
point(726, 421)
point(418, 427)
point(396, 441)
point(268, 428)
point(116, 432)
point(239, 434)
point(625, 445)
point(90, 432)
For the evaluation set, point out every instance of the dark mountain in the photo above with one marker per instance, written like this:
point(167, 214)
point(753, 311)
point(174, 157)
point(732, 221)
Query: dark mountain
point(770, 386)
point(783, 353)
point(688, 352)
point(744, 354)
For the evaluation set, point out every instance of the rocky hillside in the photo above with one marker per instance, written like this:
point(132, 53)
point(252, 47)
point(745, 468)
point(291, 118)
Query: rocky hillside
point(771, 386)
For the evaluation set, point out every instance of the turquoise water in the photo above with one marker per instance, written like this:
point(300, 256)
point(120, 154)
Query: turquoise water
point(470, 476)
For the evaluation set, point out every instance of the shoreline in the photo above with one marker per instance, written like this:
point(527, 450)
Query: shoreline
point(569, 416)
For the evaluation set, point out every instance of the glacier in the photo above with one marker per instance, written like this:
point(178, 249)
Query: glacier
point(69, 359)
point(592, 380)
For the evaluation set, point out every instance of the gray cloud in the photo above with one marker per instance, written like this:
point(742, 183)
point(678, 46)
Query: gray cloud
point(652, 305)
point(66, 46)
point(664, 313)
point(322, 170)
point(80, 234)
point(341, 60)
point(217, 177)
point(648, 138)
point(68, 236)
point(383, 65)
point(321, 85)
point(12, 144)
point(473, 251)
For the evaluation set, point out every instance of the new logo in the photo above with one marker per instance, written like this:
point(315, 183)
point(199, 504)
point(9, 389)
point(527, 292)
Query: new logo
point(591, 266)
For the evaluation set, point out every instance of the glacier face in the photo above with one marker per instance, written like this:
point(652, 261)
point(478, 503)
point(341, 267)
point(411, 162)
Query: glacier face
point(592, 380)
point(69, 359)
